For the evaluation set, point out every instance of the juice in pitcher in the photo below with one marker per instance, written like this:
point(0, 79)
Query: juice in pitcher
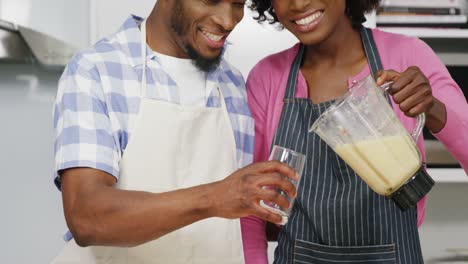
point(383, 163)
point(363, 130)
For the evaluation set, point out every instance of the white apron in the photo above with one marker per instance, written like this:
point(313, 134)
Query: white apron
point(174, 147)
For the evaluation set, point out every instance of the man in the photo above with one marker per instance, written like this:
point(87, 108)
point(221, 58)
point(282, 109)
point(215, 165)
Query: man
point(151, 125)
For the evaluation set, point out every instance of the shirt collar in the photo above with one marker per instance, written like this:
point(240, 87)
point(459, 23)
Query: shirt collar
point(128, 38)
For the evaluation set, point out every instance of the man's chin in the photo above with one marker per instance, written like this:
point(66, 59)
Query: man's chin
point(207, 65)
point(203, 63)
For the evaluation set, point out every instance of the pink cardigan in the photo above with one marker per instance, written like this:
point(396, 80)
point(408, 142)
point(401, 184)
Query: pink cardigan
point(266, 87)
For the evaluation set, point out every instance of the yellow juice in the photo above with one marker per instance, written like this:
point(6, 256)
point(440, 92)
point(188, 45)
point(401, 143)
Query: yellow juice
point(384, 164)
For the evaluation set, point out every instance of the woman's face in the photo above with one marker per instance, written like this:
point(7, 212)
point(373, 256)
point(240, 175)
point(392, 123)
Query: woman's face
point(311, 21)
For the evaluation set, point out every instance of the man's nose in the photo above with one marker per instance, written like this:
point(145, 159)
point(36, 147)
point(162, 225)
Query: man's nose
point(227, 18)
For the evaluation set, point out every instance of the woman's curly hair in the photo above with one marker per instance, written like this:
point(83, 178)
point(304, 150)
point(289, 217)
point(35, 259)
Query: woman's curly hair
point(355, 9)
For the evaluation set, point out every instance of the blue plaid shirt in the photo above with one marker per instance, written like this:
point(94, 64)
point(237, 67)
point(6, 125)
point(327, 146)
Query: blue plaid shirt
point(99, 96)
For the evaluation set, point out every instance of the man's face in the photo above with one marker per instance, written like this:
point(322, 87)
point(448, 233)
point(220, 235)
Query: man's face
point(202, 26)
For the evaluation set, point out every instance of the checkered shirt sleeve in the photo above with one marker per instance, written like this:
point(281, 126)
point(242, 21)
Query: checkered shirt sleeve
point(83, 136)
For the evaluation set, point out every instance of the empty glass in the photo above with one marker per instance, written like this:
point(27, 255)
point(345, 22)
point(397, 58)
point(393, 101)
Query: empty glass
point(296, 161)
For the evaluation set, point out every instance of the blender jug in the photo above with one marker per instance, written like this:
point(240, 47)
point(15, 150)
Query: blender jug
point(363, 130)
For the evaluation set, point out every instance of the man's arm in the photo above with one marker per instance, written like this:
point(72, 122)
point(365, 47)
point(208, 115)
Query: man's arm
point(97, 213)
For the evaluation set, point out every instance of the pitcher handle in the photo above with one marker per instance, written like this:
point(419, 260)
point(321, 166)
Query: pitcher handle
point(421, 121)
point(421, 118)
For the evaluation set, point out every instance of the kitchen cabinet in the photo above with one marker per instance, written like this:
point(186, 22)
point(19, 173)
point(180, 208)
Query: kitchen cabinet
point(448, 175)
point(65, 20)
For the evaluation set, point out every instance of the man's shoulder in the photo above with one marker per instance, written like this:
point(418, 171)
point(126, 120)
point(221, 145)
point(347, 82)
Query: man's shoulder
point(117, 48)
point(109, 48)
point(94, 53)
point(231, 72)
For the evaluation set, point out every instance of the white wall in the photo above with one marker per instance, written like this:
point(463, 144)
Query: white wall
point(107, 15)
point(251, 42)
point(65, 20)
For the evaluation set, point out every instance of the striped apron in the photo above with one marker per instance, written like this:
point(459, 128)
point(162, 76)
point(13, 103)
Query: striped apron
point(337, 218)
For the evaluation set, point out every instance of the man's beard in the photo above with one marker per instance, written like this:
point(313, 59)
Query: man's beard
point(204, 64)
point(177, 25)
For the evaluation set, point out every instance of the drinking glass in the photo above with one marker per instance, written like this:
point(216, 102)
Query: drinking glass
point(296, 161)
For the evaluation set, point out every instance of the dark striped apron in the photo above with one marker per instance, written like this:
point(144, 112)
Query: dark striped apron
point(337, 218)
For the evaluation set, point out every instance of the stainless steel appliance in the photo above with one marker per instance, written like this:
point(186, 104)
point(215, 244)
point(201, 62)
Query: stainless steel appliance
point(24, 45)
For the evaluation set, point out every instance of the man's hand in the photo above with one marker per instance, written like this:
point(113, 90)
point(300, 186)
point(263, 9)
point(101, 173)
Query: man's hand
point(239, 194)
point(97, 213)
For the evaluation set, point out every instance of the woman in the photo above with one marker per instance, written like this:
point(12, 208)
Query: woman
point(336, 217)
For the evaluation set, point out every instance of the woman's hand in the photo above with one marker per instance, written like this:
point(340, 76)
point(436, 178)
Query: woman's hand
point(412, 91)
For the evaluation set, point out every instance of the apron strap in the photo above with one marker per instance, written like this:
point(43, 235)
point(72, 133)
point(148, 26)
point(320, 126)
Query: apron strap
point(372, 53)
point(293, 73)
point(291, 84)
point(144, 85)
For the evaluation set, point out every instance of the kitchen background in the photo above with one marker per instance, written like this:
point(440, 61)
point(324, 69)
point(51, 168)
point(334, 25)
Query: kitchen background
point(31, 220)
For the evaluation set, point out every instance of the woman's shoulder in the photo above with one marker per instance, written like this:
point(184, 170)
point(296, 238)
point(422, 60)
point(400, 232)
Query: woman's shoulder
point(399, 51)
point(385, 36)
point(272, 65)
point(397, 42)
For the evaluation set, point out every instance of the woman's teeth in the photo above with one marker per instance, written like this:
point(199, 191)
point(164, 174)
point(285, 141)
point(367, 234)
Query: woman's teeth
point(213, 37)
point(309, 19)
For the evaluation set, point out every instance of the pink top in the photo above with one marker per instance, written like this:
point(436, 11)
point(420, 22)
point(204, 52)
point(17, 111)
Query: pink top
point(266, 87)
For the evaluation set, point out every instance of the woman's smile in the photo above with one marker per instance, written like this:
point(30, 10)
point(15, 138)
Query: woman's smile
point(309, 22)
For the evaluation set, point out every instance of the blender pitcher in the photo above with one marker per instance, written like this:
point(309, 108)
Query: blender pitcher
point(363, 130)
